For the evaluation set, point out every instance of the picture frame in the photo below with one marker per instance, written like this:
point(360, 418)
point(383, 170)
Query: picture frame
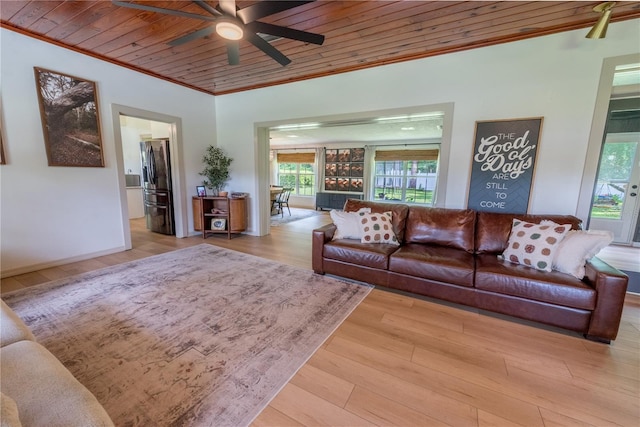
point(70, 119)
point(3, 160)
point(219, 224)
point(347, 166)
point(503, 164)
point(201, 191)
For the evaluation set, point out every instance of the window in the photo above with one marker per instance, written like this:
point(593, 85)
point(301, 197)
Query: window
point(296, 171)
point(408, 176)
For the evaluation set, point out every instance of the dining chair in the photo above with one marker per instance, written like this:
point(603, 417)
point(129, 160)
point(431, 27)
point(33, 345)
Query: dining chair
point(283, 200)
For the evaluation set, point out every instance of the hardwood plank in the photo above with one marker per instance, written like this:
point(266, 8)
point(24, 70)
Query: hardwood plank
point(272, 417)
point(309, 409)
point(386, 412)
point(574, 399)
point(479, 391)
point(487, 419)
point(421, 399)
point(10, 284)
point(324, 385)
point(372, 337)
point(553, 419)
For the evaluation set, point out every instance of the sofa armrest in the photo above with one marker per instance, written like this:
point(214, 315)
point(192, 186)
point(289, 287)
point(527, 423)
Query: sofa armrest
point(611, 286)
point(319, 237)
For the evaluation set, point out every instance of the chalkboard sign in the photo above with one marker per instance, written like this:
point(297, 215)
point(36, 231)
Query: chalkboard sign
point(504, 159)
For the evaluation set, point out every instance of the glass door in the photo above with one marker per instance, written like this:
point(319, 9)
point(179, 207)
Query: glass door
point(615, 203)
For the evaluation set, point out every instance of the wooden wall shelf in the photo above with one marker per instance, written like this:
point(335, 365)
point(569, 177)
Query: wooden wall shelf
point(219, 215)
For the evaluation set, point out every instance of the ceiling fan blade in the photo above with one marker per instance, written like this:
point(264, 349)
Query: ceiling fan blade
point(212, 10)
point(289, 33)
point(261, 44)
point(266, 8)
point(162, 10)
point(193, 36)
point(233, 52)
point(228, 7)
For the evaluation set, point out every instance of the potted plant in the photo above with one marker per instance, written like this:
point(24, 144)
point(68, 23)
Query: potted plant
point(216, 169)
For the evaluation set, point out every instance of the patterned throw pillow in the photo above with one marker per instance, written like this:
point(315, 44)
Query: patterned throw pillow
point(376, 228)
point(533, 245)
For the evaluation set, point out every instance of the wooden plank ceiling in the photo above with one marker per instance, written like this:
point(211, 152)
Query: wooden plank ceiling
point(359, 34)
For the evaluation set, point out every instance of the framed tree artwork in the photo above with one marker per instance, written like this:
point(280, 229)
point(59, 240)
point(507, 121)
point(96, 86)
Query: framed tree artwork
point(2, 160)
point(70, 119)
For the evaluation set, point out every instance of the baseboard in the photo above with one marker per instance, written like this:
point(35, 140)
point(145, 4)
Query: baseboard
point(41, 266)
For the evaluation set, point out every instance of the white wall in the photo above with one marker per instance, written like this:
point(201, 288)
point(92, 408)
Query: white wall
point(51, 215)
point(554, 76)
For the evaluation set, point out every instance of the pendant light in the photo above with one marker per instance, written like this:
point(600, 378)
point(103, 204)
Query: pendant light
point(599, 30)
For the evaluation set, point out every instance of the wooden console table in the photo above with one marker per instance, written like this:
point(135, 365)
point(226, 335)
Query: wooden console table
point(219, 215)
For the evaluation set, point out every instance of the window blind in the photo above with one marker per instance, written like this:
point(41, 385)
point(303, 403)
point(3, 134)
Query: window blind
point(399, 155)
point(296, 157)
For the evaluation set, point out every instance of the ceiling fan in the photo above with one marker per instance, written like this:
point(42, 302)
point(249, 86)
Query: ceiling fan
point(235, 24)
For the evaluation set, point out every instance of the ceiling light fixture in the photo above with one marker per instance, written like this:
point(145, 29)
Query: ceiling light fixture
point(229, 29)
point(599, 30)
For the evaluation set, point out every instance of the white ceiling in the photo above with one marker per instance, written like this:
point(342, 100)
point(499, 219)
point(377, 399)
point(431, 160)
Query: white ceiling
point(410, 128)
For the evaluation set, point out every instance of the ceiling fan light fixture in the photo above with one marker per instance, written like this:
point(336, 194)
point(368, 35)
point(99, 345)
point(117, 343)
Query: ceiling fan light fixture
point(599, 30)
point(229, 29)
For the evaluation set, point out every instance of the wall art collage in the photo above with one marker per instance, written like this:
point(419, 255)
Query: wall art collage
point(344, 169)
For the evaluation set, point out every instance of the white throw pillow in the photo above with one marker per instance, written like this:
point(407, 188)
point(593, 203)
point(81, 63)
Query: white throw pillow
point(534, 245)
point(347, 223)
point(577, 248)
point(377, 228)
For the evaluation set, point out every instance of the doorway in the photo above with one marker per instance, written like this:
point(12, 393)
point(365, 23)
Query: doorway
point(616, 203)
point(172, 126)
point(609, 196)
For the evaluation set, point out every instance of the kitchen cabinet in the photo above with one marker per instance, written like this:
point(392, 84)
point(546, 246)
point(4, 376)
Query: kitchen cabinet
point(135, 203)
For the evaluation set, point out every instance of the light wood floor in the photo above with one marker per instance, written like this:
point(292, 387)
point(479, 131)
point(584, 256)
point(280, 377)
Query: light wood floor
point(405, 361)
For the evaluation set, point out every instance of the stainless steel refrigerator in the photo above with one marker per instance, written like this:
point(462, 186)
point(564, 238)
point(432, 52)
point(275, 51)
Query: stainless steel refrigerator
point(156, 185)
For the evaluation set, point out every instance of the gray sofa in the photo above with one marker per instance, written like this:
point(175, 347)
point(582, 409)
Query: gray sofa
point(37, 390)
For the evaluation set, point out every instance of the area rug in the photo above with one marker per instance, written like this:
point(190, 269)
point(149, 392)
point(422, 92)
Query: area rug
point(296, 215)
point(202, 336)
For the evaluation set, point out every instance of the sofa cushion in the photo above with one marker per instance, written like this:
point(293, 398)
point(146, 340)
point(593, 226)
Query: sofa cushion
point(377, 228)
point(354, 252)
point(503, 277)
point(45, 391)
point(9, 416)
point(12, 328)
point(398, 213)
point(534, 245)
point(434, 263)
point(493, 229)
point(444, 227)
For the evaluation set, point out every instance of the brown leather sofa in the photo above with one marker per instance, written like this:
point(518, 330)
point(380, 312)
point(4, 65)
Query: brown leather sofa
point(451, 254)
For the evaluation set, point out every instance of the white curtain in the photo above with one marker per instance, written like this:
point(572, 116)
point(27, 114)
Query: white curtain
point(369, 172)
point(319, 168)
point(273, 167)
